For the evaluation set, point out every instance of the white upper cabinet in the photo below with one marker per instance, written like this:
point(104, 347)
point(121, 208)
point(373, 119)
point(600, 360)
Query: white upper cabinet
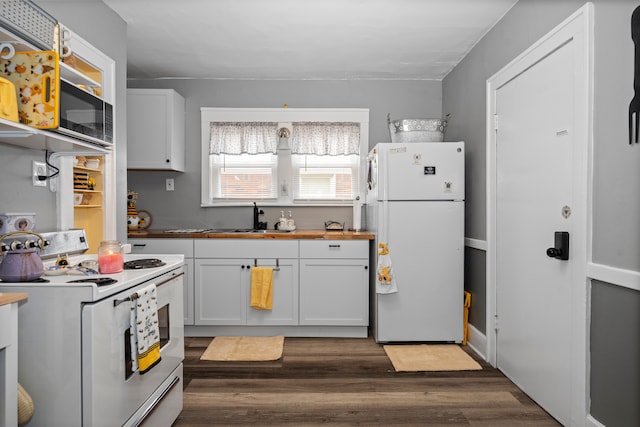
point(155, 130)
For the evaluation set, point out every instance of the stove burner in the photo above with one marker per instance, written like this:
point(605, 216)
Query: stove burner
point(137, 264)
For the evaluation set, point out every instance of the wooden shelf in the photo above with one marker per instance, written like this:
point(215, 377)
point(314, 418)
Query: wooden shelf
point(86, 169)
point(14, 133)
point(77, 77)
point(79, 190)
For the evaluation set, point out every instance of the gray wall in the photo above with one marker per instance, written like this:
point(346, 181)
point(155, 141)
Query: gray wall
point(181, 208)
point(17, 194)
point(616, 205)
point(615, 377)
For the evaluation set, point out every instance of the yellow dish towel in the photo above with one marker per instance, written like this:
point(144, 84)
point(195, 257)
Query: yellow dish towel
point(262, 288)
point(145, 336)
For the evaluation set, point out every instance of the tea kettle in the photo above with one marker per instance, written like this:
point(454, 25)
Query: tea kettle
point(21, 261)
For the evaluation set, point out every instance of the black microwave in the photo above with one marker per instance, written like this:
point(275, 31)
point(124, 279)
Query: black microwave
point(84, 116)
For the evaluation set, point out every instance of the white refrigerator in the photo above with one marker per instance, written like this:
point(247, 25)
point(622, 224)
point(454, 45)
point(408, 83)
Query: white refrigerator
point(415, 205)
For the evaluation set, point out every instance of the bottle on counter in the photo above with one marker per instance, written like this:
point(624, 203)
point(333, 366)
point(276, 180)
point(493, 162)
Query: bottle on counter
point(290, 222)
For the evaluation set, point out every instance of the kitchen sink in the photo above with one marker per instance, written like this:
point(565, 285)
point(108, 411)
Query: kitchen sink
point(227, 231)
point(253, 231)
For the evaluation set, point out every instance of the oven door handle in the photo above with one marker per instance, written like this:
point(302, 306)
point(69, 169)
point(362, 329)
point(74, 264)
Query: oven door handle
point(156, 401)
point(134, 296)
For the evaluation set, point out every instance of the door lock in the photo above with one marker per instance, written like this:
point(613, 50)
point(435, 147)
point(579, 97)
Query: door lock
point(561, 248)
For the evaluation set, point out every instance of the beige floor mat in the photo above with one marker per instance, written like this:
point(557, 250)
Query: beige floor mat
point(244, 349)
point(430, 357)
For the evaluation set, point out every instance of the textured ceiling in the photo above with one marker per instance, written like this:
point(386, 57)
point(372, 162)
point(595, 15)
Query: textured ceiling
point(303, 39)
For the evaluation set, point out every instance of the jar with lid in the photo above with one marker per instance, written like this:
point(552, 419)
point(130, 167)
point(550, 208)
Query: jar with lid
point(110, 257)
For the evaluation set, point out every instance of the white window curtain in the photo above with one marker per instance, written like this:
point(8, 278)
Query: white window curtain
point(243, 137)
point(325, 138)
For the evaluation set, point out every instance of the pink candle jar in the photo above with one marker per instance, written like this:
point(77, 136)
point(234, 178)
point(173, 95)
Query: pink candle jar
point(110, 257)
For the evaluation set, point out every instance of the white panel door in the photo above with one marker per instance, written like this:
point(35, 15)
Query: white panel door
point(534, 171)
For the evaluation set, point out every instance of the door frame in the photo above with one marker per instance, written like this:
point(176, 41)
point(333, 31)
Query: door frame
point(578, 29)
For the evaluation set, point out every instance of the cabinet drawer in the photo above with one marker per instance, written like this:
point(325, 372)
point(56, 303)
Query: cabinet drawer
point(245, 248)
point(162, 246)
point(334, 249)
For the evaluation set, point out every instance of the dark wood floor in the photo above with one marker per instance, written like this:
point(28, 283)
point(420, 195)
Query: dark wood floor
point(346, 382)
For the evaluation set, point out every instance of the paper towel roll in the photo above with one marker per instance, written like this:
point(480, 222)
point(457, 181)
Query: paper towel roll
point(357, 215)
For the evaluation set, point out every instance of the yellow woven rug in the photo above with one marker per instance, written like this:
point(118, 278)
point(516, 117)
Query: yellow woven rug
point(430, 357)
point(248, 349)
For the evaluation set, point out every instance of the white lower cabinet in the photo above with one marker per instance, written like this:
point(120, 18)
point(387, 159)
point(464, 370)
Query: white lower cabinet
point(223, 292)
point(223, 282)
point(320, 287)
point(173, 246)
point(334, 283)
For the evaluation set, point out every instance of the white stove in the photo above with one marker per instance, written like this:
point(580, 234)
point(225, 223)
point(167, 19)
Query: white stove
point(124, 280)
point(74, 350)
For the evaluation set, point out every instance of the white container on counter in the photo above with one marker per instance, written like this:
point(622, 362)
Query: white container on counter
point(357, 215)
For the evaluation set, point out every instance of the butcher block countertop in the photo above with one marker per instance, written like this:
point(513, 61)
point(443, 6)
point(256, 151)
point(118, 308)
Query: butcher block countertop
point(9, 298)
point(269, 234)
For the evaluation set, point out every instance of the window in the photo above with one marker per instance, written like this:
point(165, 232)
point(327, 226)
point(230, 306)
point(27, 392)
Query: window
point(321, 162)
point(329, 178)
point(243, 176)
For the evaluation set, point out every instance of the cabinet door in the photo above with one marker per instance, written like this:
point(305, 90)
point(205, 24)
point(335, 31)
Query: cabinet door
point(155, 129)
point(220, 291)
point(285, 295)
point(334, 292)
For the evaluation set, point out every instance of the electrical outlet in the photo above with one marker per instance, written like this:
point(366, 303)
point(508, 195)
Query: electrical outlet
point(170, 184)
point(39, 169)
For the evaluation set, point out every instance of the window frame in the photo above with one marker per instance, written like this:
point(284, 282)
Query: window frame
point(284, 168)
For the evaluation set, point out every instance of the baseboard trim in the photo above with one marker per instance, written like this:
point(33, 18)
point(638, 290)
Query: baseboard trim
point(592, 422)
point(477, 341)
point(287, 331)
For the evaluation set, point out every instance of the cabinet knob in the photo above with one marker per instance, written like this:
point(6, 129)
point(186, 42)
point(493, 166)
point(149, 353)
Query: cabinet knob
point(168, 160)
point(366, 267)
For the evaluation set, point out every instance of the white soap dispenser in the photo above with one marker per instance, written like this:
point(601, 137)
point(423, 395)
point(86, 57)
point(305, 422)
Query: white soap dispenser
point(290, 222)
point(282, 223)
